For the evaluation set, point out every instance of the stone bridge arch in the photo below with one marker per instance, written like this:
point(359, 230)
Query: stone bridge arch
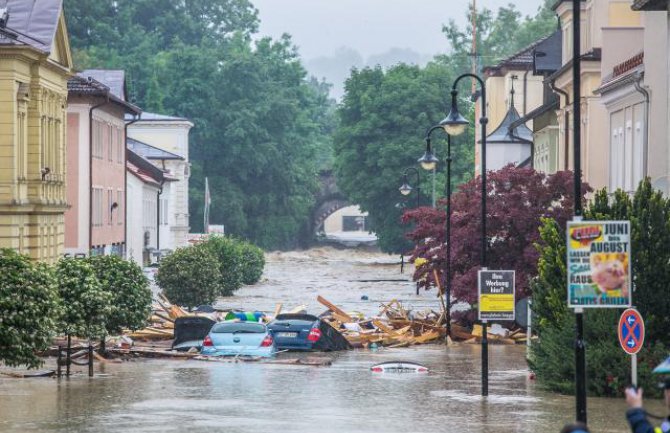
point(329, 200)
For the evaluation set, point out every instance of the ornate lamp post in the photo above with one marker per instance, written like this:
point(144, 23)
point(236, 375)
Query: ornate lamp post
point(406, 189)
point(429, 161)
point(455, 124)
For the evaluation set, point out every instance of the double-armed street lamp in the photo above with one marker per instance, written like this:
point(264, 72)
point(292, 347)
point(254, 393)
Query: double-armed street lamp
point(406, 189)
point(455, 124)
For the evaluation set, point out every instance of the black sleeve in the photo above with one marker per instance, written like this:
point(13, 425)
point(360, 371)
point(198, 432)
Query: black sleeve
point(638, 421)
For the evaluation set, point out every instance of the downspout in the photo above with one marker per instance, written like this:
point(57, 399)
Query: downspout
point(90, 171)
point(525, 91)
point(645, 149)
point(136, 118)
point(566, 135)
point(158, 216)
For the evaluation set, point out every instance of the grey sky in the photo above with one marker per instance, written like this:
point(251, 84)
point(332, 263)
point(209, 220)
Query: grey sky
point(319, 27)
point(335, 35)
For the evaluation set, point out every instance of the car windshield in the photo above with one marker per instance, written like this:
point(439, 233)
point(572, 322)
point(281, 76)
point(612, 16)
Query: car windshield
point(238, 327)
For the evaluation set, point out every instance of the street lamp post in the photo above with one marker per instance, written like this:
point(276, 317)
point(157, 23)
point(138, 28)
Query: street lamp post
point(455, 124)
point(406, 189)
point(428, 161)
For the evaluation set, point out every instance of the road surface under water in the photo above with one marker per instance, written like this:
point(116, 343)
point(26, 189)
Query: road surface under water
point(195, 396)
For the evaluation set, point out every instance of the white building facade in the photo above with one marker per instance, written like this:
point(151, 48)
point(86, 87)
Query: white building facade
point(170, 135)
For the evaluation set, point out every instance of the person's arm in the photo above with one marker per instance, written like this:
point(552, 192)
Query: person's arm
point(636, 415)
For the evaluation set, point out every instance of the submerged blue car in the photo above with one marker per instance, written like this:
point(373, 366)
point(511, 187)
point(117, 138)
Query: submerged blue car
point(235, 338)
point(304, 332)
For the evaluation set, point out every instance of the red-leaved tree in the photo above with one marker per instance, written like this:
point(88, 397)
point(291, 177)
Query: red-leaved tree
point(517, 200)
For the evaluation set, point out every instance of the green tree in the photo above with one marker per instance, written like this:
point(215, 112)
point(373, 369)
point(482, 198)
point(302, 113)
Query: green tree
point(607, 365)
point(262, 129)
point(129, 291)
point(260, 152)
point(86, 305)
point(29, 309)
point(499, 35)
point(190, 276)
point(382, 120)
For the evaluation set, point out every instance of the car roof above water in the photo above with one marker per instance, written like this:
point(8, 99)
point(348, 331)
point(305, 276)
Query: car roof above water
point(233, 326)
point(289, 316)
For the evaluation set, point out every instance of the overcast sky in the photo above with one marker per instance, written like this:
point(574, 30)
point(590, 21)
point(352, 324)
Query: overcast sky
point(335, 35)
point(319, 27)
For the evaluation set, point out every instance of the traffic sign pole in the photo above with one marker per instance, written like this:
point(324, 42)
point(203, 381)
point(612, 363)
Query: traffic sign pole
point(580, 370)
point(631, 338)
point(485, 358)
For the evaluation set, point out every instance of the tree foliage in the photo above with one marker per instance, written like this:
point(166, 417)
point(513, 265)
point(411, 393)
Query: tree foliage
point(129, 291)
point(517, 200)
point(86, 304)
point(239, 262)
point(498, 34)
point(29, 309)
point(253, 263)
point(383, 118)
point(262, 128)
point(190, 276)
point(607, 365)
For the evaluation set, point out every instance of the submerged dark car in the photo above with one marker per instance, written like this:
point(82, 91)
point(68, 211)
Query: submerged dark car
point(305, 332)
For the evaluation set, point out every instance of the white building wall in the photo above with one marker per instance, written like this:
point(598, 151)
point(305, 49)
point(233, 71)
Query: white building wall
point(171, 136)
point(167, 217)
point(134, 227)
point(499, 155)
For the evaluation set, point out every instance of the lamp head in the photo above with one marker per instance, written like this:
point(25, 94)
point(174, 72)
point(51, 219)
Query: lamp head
point(428, 161)
point(454, 124)
point(405, 188)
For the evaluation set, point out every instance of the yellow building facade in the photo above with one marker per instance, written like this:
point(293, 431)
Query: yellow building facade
point(598, 19)
point(34, 69)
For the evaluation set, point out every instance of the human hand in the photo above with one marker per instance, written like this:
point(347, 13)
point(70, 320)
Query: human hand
point(634, 397)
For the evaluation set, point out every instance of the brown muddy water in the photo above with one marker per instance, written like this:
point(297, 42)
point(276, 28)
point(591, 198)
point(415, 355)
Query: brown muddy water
point(175, 396)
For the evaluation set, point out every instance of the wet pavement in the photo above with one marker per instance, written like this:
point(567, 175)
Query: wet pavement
point(194, 396)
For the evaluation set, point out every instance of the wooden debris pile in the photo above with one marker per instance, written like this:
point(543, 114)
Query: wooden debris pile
point(161, 322)
point(498, 335)
point(395, 326)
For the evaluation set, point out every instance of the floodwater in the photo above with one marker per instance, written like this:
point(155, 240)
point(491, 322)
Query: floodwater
point(194, 396)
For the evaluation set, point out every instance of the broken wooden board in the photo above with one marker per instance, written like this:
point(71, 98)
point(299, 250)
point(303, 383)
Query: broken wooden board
point(335, 309)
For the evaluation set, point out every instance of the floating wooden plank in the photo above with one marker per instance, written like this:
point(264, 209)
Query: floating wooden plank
point(332, 307)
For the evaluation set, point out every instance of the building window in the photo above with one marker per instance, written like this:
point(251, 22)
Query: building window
point(119, 210)
point(110, 142)
point(627, 147)
point(97, 207)
point(354, 223)
point(110, 209)
point(120, 146)
point(97, 139)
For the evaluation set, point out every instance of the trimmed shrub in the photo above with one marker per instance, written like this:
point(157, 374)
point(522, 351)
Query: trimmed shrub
point(228, 251)
point(86, 305)
point(129, 290)
point(190, 276)
point(253, 263)
point(29, 309)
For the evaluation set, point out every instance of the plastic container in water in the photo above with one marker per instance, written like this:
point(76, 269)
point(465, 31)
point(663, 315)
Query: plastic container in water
point(245, 316)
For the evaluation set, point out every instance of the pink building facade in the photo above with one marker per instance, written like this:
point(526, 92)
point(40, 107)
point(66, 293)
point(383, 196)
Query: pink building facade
point(95, 223)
